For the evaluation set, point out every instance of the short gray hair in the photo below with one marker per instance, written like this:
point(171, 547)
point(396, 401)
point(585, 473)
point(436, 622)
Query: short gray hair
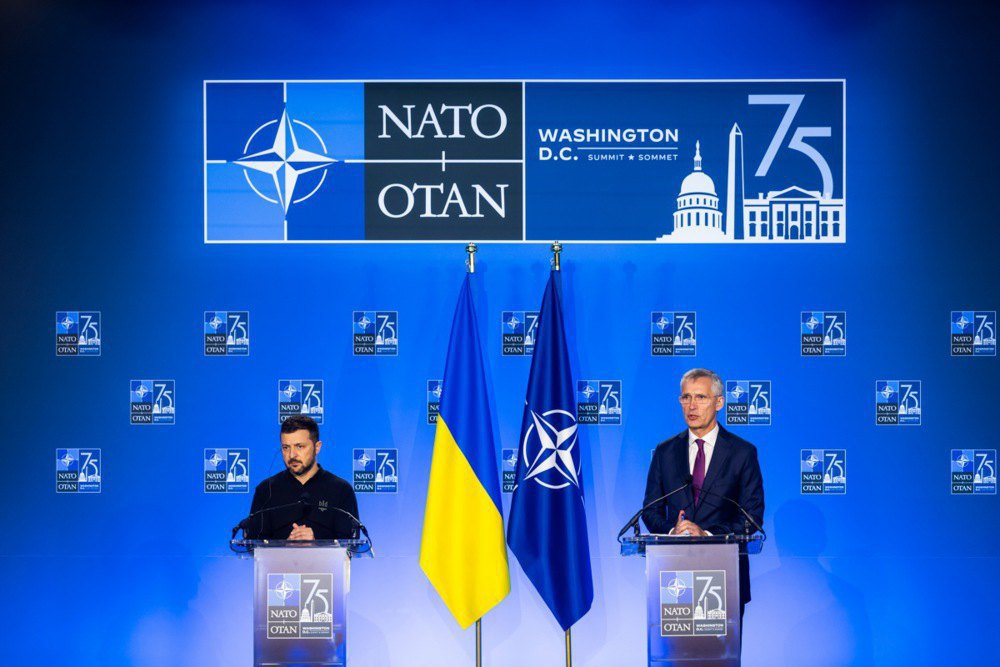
point(696, 373)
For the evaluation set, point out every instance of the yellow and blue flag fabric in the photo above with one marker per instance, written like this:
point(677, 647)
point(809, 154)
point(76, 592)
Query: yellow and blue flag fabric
point(547, 526)
point(463, 551)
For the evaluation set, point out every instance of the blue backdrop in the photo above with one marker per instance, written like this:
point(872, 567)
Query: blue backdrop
point(103, 210)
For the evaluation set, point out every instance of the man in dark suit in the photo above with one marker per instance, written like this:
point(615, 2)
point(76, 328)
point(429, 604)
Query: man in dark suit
point(719, 465)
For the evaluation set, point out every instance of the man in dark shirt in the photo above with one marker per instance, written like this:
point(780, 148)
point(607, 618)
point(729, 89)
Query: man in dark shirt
point(324, 500)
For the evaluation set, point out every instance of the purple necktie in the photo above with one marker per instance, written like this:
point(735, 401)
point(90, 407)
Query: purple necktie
point(698, 474)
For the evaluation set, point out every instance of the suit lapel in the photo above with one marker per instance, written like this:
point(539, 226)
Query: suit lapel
point(720, 455)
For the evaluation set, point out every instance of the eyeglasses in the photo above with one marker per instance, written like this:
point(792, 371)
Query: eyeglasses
point(697, 399)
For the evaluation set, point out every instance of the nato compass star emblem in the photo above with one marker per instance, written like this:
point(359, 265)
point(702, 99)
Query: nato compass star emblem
point(215, 322)
point(289, 391)
point(141, 391)
point(811, 461)
point(67, 322)
point(284, 590)
point(887, 391)
point(68, 459)
point(588, 391)
point(737, 392)
point(513, 322)
point(437, 391)
point(812, 323)
point(284, 161)
point(216, 459)
point(961, 322)
point(556, 458)
point(364, 322)
point(662, 323)
point(676, 588)
point(963, 461)
point(363, 460)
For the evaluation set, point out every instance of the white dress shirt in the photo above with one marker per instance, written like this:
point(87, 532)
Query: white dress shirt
point(709, 446)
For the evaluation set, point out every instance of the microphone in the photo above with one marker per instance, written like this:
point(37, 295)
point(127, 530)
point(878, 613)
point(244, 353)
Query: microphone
point(245, 523)
point(306, 500)
point(634, 521)
point(747, 521)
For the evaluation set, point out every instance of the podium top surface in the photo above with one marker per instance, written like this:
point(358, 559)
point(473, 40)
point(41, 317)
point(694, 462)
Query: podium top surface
point(635, 545)
point(356, 548)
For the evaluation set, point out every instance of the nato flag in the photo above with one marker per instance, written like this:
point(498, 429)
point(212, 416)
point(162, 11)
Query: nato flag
point(547, 527)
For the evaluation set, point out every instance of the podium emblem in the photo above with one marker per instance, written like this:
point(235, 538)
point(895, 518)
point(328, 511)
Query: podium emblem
point(692, 603)
point(299, 606)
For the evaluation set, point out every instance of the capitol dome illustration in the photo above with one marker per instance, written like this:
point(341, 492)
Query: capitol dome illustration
point(697, 218)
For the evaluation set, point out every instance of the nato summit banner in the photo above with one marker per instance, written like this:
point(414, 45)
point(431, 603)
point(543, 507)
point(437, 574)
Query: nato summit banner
point(606, 161)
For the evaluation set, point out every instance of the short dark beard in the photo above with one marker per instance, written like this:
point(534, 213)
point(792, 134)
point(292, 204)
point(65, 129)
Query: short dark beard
point(305, 469)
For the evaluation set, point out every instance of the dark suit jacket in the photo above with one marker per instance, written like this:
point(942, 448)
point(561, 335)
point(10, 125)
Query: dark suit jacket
point(733, 473)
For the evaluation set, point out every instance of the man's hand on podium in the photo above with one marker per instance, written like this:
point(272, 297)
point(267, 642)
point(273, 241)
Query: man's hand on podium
point(684, 526)
point(301, 533)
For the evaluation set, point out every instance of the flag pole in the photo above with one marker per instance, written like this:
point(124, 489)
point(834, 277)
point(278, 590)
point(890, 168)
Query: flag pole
point(569, 649)
point(470, 263)
point(556, 251)
point(556, 256)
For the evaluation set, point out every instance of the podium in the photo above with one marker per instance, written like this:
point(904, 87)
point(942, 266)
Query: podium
point(692, 597)
point(300, 599)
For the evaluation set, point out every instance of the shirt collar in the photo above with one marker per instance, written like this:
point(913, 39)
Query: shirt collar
point(709, 437)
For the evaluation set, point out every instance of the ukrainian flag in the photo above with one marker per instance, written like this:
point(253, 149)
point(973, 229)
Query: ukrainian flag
point(463, 551)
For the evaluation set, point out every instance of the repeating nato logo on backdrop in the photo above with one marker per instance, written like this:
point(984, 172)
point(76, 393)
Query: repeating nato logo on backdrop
point(973, 333)
point(824, 334)
point(300, 397)
point(897, 402)
point(673, 334)
point(376, 333)
point(973, 472)
point(376, 470)
point(748, 402)
point(434, 389)
point(518, 330)
point(599, 402)
point(227, 333)
point(152, 402)
point(704, 161)
point(227, 470)
point(299, 606)
point(692, 602)
point(508, 469)
point(824, 471)
point(78, 471)
point(78, 333)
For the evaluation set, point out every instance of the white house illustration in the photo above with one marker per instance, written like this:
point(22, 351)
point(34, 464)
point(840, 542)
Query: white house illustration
point(793, 214)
